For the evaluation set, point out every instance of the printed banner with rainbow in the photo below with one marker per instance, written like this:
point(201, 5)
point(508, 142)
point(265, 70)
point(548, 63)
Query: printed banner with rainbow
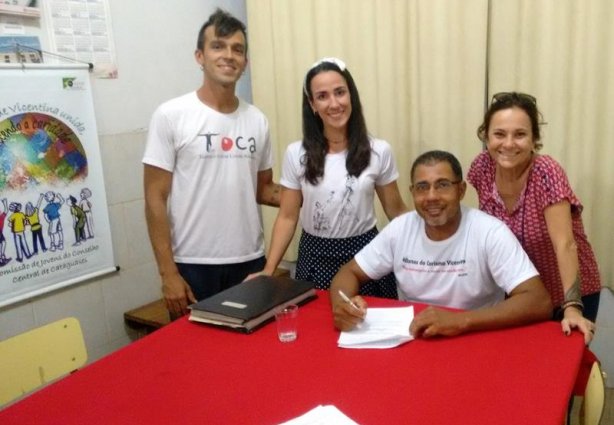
point(54, 225)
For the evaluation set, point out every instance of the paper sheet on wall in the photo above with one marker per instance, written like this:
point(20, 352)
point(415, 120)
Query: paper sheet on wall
point(382, 328)
point(81, 30)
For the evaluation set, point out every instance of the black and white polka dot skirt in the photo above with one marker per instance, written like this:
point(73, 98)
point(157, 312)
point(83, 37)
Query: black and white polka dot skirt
point(319, 259)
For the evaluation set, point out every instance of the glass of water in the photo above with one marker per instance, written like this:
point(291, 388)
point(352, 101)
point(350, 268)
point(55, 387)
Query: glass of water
point(287, 319)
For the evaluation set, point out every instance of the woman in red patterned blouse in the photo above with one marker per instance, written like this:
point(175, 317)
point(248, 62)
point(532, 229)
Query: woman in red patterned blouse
point(532, 195)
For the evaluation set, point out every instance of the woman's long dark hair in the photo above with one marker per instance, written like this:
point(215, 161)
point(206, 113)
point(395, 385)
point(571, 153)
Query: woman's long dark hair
point(314, 142)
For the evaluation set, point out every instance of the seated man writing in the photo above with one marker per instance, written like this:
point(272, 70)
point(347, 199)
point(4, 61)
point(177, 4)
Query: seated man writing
point(449, 255)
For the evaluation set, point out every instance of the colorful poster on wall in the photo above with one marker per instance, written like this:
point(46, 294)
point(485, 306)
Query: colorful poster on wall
point(53, 210)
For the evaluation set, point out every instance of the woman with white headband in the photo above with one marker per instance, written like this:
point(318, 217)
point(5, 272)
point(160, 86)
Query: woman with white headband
point(329, 180)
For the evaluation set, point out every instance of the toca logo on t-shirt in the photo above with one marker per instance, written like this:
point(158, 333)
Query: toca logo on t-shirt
point(213, 142)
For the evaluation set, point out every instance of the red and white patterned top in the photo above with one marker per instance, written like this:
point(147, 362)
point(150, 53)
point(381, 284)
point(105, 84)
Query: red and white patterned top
point(546, 185)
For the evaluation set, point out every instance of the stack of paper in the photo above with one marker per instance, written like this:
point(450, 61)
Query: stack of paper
point(322, 415)
point(382, 328)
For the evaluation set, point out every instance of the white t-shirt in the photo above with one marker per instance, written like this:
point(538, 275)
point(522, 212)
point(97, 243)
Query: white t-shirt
point(340, 205)
point(215, 159)
point(473, 268)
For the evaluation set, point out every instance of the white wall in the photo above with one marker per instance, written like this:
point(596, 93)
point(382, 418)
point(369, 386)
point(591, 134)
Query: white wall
point(155, 41)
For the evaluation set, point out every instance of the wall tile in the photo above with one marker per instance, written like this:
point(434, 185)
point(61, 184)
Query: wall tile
point(134, 287)
point(605, 317)
point(137, 239)
point(15, 319)
point(118, 233)
point(603, 344)
point(122, 167)
point(82, 301)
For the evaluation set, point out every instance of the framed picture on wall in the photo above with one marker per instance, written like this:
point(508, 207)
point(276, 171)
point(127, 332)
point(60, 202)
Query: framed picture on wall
point(27, 8)
point(20, 49)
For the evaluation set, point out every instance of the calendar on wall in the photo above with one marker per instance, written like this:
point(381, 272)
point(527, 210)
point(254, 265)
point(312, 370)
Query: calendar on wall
point(60, 32)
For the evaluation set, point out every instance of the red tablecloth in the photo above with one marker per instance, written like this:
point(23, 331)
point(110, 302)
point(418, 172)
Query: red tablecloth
point(188, 373)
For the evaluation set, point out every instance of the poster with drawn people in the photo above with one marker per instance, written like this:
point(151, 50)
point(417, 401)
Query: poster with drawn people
point(54, 225)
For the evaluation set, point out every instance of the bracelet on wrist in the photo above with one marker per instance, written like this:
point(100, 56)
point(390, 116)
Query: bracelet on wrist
point(573, 303)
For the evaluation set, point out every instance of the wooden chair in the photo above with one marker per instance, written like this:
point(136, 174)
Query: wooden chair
point(41, 355)
point(590, 385)
point(593, 404)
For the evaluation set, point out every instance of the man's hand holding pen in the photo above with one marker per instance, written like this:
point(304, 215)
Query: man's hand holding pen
point(348, 313)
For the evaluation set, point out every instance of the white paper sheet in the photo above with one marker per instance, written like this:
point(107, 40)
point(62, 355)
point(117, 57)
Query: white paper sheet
point(322, 415)
point(382, 328)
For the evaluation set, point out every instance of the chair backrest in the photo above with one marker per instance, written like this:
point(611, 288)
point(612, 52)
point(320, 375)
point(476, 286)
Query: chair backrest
point(36, 357)
point(594, 397)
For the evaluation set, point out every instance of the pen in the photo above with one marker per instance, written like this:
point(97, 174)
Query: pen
point(348, 300)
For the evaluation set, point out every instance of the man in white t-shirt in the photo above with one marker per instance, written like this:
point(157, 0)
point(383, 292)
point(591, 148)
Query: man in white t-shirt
point(207, 167)
point(448, 255)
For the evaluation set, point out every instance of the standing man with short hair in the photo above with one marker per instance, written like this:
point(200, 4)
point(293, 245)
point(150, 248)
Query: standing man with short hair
point(207, 167)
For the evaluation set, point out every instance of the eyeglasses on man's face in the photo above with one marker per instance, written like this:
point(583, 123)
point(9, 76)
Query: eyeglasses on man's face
point(507, 96)
point(442, 186)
